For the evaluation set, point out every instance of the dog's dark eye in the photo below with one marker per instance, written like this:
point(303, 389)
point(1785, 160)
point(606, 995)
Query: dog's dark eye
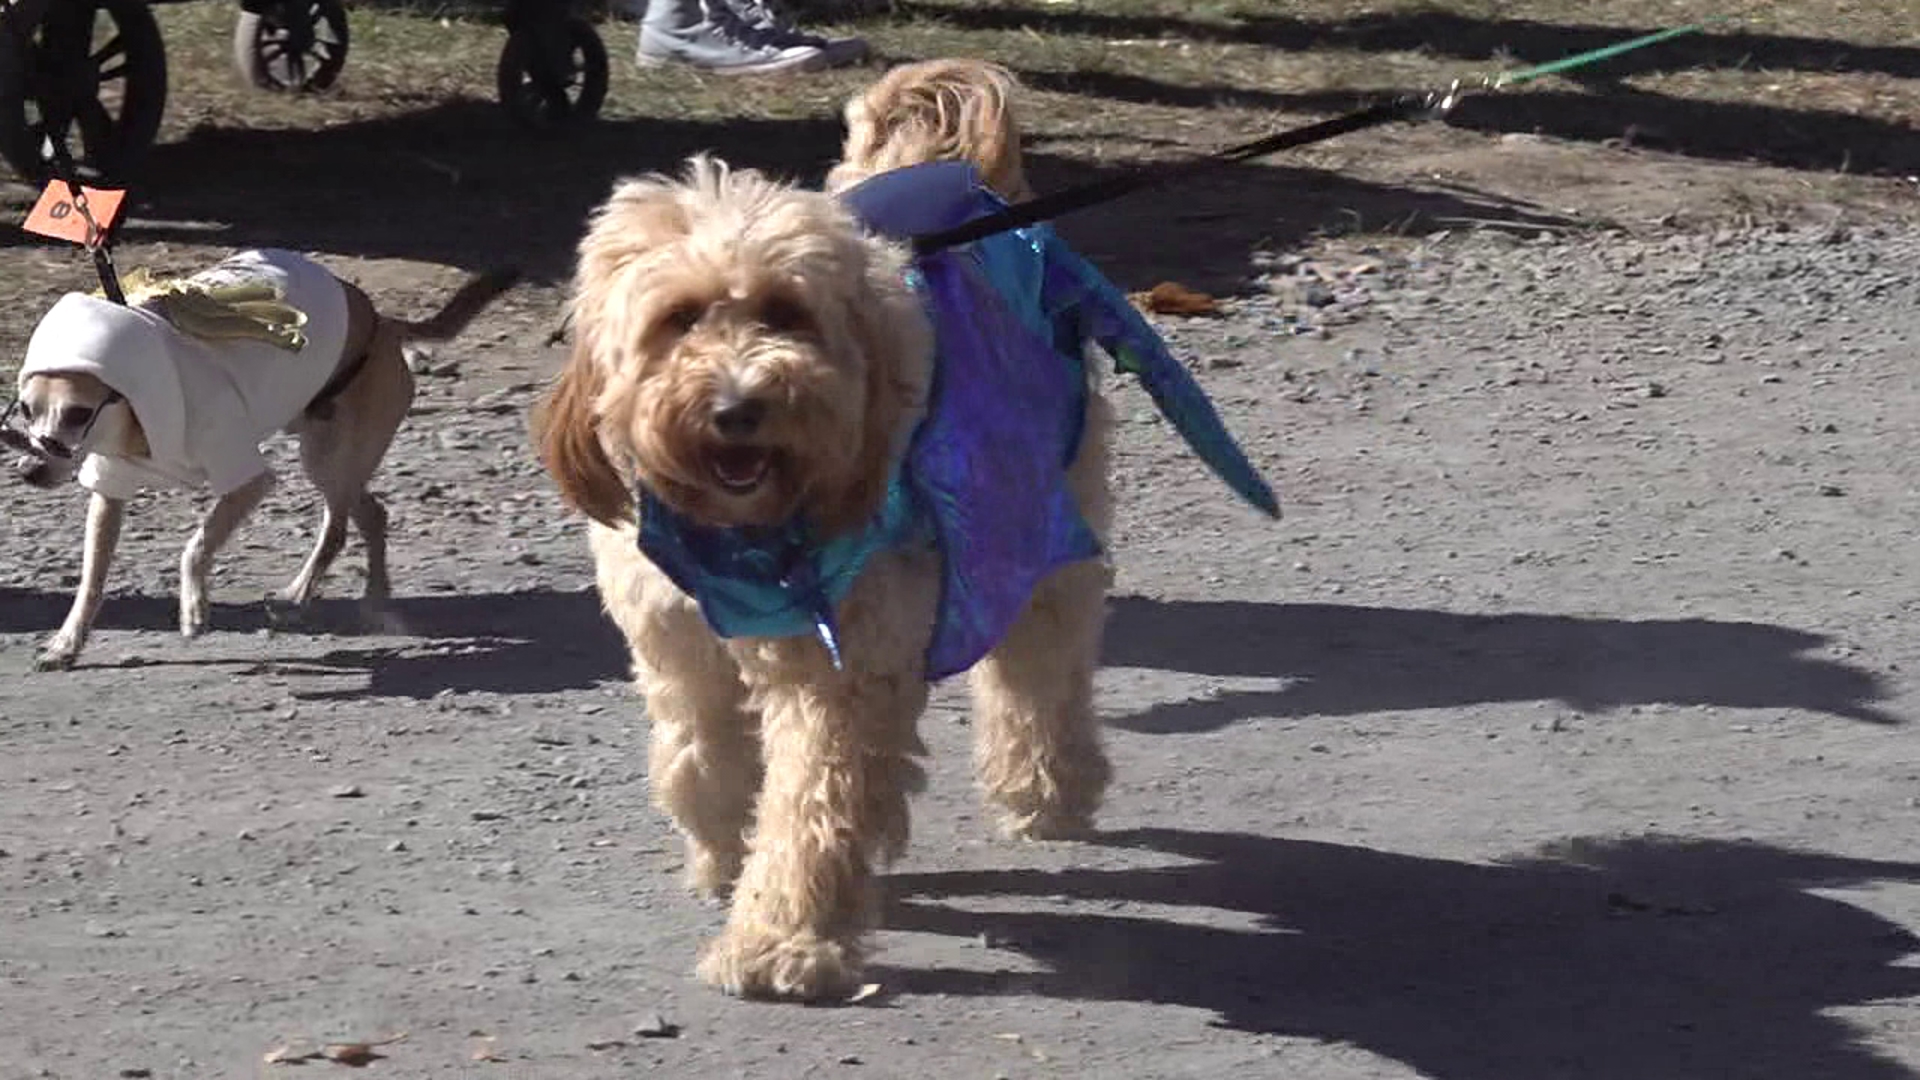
point(785, 317)
point(683, 317)
point(75, 415)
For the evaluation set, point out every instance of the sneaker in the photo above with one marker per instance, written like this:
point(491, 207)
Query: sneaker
point(718, 46)
point(773, 28)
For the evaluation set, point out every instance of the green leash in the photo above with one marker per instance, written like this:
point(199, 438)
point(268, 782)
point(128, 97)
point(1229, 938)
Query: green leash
point(1407, 107)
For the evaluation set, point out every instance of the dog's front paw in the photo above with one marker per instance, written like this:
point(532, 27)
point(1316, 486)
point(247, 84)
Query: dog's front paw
point(1048, 824)
point(711, 873)
point(58, 654)
point(758, 963)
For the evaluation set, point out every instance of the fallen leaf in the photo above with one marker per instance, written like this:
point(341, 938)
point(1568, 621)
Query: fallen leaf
point(354, 1054)
point(288, 1055)
point(864, 992)
point(1173, 298)
point(357, 1054)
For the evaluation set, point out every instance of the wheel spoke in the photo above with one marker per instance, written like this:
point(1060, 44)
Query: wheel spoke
point(96, 127)
point(116, 46)
point(107, 75)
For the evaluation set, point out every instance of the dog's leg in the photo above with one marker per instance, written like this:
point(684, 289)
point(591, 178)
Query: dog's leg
point(1037, 749)
point(704, 747)
point(841, 752)
point(104, 517)
point(340, 454)
point(370, 518)
point(839, 769)
point(337, 506)
point(216, 528)
point(703, 761)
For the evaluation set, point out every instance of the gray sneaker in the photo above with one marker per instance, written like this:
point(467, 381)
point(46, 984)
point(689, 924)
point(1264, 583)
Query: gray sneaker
point(723, 46)
point(774, 28)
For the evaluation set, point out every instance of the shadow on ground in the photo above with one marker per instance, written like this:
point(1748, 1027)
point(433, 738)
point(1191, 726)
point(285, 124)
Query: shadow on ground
point(1642, 957)
point(531, 642)
point(457, 184)
point(1351, 660)
point(1742, 130)
point(1340, 660)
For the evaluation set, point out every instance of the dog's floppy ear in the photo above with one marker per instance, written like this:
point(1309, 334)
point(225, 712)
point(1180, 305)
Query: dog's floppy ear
point(892, 332)
point(564, 430)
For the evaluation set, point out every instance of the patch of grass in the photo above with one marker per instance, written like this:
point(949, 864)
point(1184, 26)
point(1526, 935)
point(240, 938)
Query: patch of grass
point(1818, 91)
point(1144, 77)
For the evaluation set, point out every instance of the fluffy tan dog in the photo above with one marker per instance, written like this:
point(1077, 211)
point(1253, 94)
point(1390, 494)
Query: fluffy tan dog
point(948, 109)
point(745, 351)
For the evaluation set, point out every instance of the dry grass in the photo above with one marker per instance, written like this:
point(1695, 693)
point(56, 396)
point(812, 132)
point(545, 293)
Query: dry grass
point(1142, 77)
point(1816, 90)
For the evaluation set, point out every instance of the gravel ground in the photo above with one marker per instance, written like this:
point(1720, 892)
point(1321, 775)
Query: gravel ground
point(1559, 730)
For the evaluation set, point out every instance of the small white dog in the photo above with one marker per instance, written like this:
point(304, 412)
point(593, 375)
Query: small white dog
point(180, 387)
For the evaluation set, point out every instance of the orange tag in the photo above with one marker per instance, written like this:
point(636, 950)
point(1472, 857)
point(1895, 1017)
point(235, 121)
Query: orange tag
point(56, 216)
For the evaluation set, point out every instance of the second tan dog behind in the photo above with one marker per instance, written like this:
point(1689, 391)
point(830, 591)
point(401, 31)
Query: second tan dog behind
point(949, 109)
point(750, 354)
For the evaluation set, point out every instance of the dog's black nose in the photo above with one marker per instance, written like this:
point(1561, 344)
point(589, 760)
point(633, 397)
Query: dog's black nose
point(739, 418)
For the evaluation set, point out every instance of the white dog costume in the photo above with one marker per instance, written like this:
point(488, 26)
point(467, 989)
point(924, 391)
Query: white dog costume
point(205, 406)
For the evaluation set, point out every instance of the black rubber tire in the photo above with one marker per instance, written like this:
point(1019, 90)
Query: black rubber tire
point(65, 69)
point(292, 46)
point(584, 83)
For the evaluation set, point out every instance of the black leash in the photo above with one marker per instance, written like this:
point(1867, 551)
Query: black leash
point(1082, 196)
point(98, 242)
point(65, 171)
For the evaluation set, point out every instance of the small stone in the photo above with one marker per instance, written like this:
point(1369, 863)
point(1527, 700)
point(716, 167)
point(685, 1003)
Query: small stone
point(346, 791)
point(397, 845)
point(1832, 490)
point(655, 1026)
point(488, 815)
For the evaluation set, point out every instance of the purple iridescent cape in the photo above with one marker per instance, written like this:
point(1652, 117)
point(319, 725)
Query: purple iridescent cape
point(984, 477)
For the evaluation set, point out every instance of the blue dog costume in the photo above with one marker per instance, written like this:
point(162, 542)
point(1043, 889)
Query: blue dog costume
point(984, 477)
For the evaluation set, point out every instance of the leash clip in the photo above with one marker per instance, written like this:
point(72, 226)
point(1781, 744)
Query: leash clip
point(1441, 102)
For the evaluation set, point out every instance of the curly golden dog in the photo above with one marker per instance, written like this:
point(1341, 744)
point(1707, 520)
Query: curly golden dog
point(747, 353)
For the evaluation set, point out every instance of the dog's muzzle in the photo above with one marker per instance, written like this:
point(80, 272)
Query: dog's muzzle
point(20, 440)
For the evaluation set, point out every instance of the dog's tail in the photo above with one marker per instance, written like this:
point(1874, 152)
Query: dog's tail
point(937, 110)
point(460, 309)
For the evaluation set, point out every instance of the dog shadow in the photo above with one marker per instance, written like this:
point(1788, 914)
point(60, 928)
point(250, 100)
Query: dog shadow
point(1335, 660)
point(524, 642)
point(1344, 660)
point(1603, 959)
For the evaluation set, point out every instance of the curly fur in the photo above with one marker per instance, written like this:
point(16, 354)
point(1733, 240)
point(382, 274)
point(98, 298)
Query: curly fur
point(789, 779)
point(948, 109)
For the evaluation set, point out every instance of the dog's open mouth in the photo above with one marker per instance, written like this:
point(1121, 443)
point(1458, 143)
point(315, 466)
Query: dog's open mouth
point(741, 469)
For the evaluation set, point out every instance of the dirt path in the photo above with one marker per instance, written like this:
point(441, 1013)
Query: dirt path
point(1558, 731)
